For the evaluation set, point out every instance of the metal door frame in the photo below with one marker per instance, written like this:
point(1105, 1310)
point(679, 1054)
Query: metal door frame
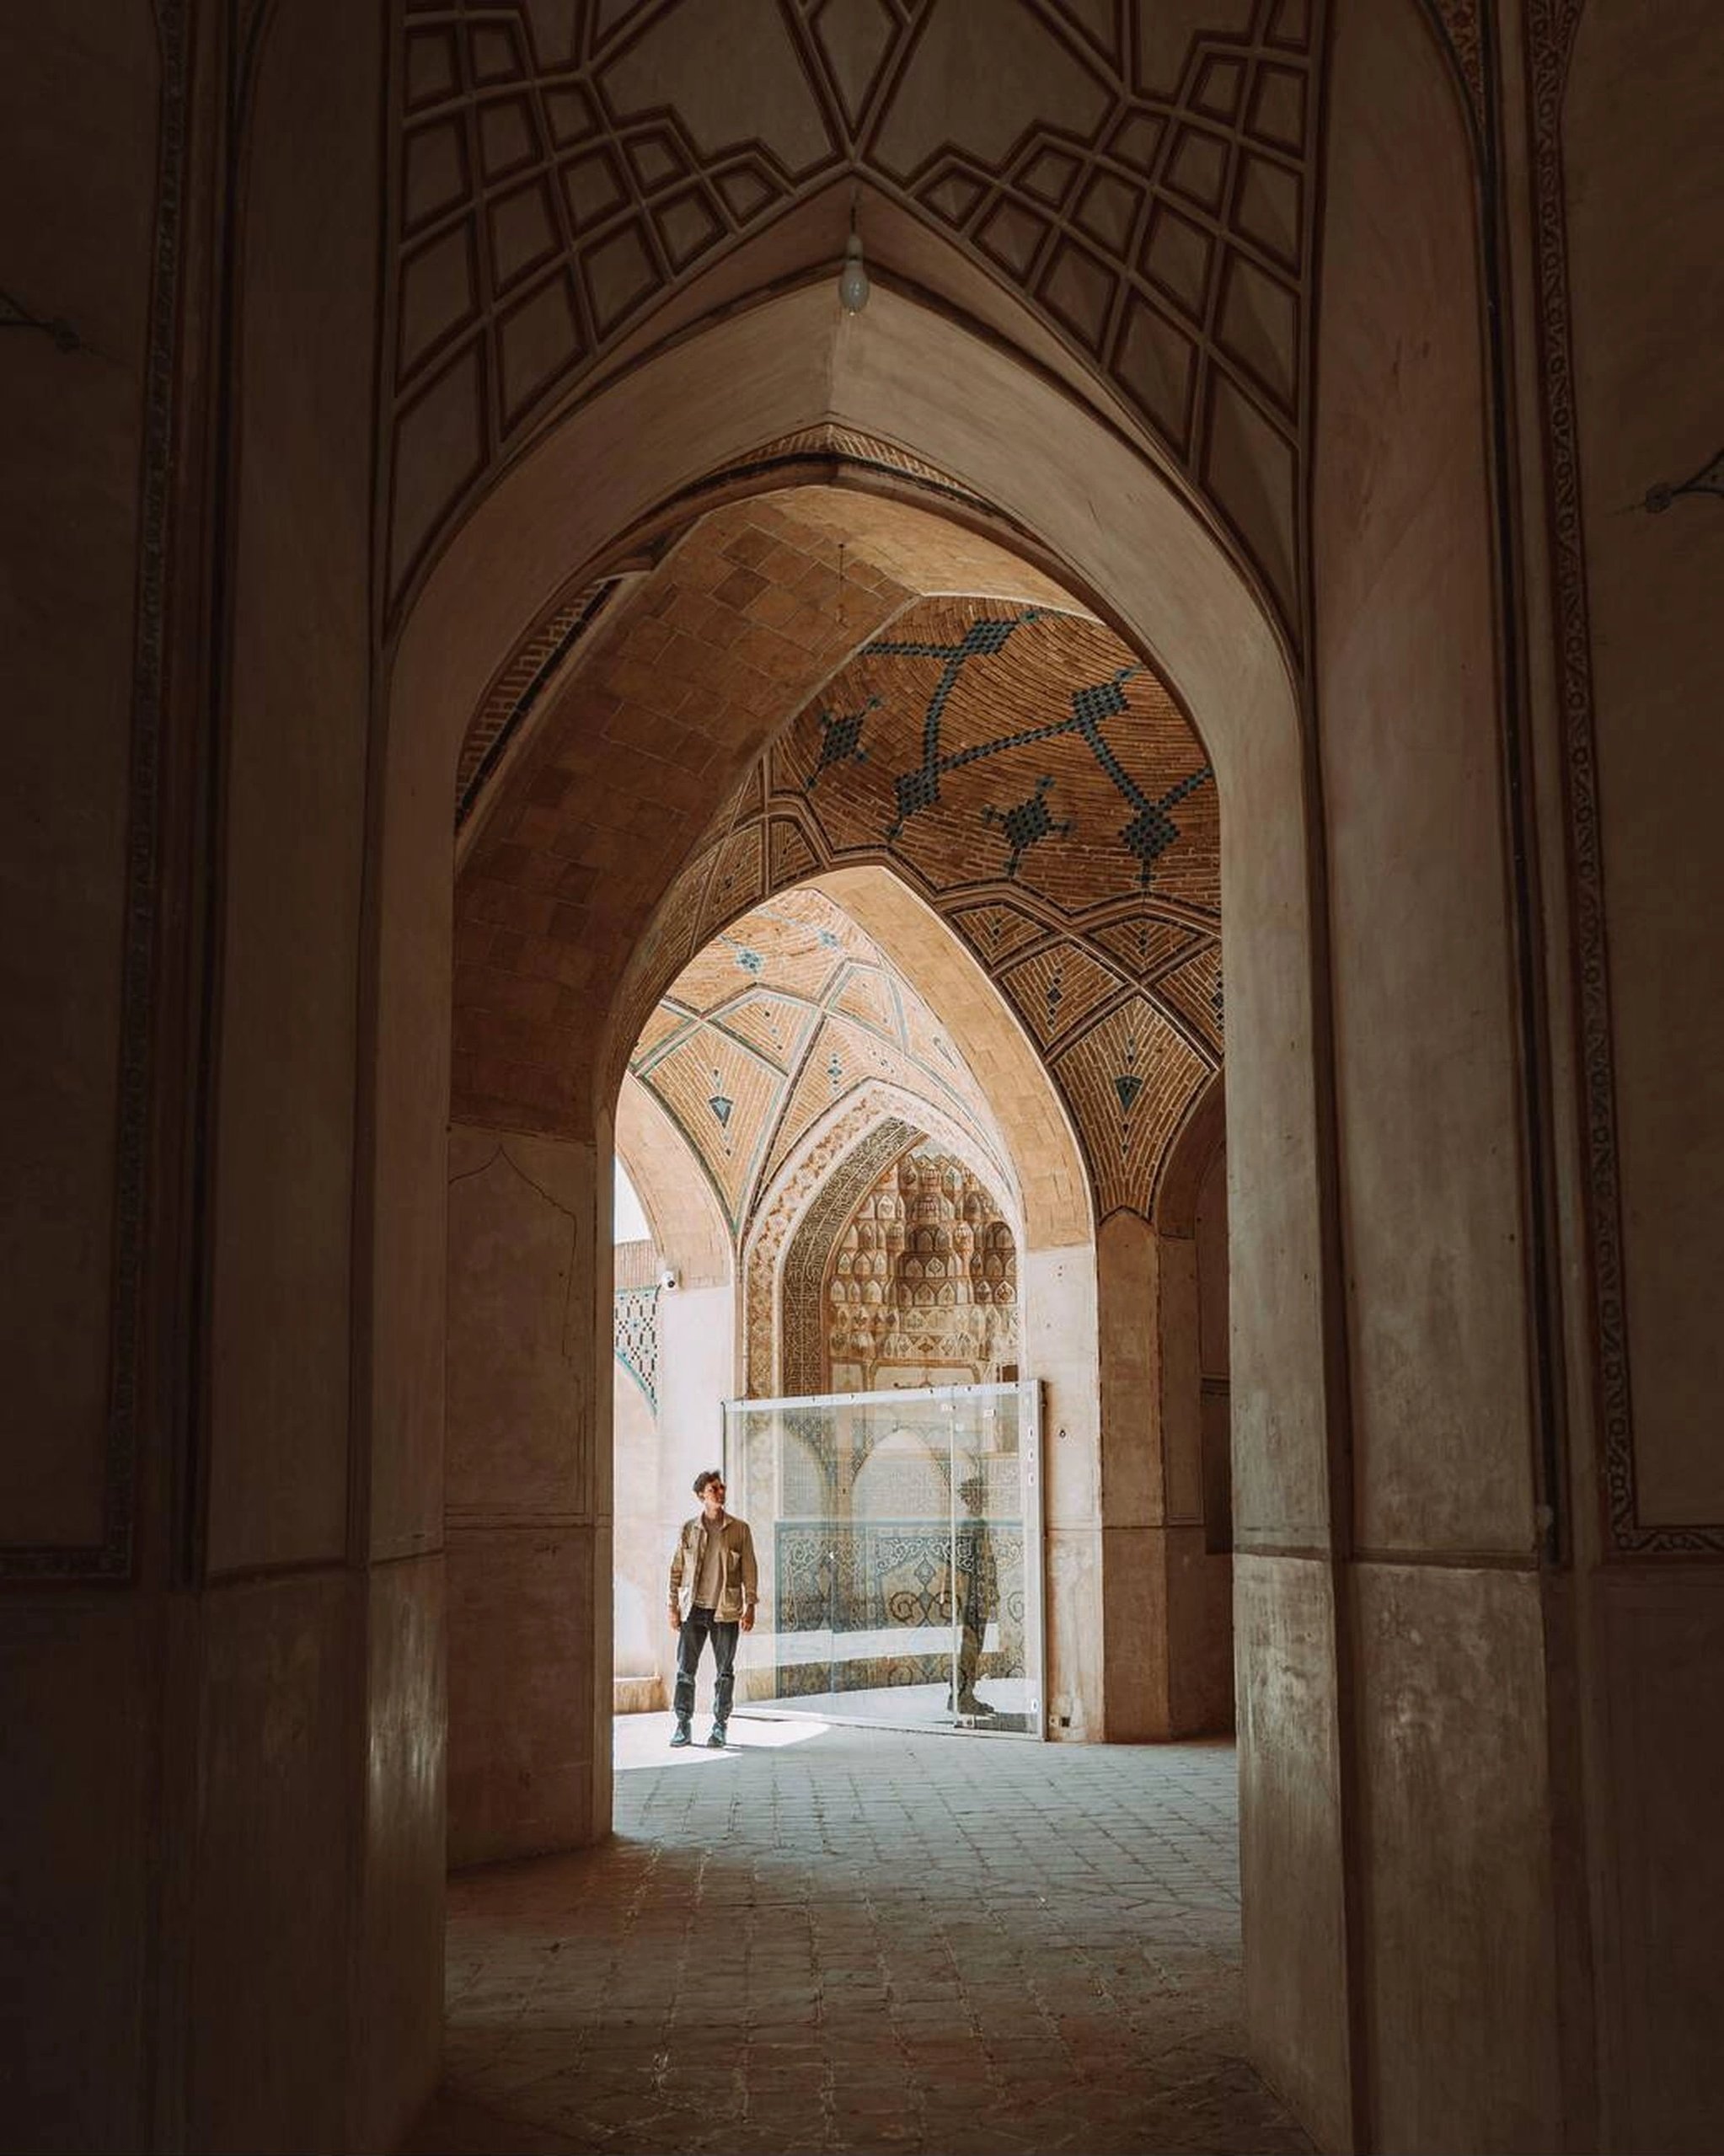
point(1032, 1480)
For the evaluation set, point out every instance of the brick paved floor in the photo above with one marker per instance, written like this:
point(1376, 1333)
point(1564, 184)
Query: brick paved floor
point(855, 1940)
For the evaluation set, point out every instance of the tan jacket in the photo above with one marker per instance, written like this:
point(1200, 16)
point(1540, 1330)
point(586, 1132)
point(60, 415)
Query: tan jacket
point(740, 1588)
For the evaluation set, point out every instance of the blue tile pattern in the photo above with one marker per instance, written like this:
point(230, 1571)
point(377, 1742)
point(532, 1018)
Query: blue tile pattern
point(1147, 833)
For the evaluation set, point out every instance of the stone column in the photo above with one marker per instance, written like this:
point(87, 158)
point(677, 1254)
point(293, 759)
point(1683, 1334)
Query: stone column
point(527, 1493)
point(1168, 1626)
point(1056, 1293)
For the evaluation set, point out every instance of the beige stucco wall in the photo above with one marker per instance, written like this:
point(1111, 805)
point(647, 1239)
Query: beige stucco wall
point(1449, 1834)
point(527, 1493)
point(67, 621)
point(637, 1592)
point(268, 1765)
point(1643, 105)
point(1641, 129)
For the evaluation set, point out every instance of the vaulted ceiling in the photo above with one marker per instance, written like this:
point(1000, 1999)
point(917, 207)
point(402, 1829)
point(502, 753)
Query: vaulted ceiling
point(588, 775)
point(1001, 752)
point(1020, 770)
point(574, 179)
point(789, 1012)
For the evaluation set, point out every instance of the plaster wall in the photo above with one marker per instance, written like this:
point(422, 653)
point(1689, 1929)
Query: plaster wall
point(266, 1759)
point(1292, 1884)
point(528, 1495)
point(1166, 1605)
point(319, 1670)
point(293, 819)
point(76, 1892)
point(1457, 1818)
point(1059, 1320)
point(658, 1449)
point(1425, 1046)
point(1452, 1855)
point(1292, 1866)
point(1204, 1687)
point(1215, 1390)
point(658, 1454)
point(276, 1803)
point(1639, 122)
point(78, 142)
point(405, 1822)
point(1655, 1639)
point(697, 1373)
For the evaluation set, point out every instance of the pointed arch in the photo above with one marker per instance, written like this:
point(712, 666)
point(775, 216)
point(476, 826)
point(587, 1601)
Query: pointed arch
point(828, 1148)
point(1135, 550)
point(689, 1231)
point(1186, 1167)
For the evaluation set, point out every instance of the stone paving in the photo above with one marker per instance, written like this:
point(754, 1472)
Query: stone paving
point(855, 1940)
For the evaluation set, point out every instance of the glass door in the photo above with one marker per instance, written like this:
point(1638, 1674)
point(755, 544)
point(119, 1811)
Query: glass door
point(899, 1536)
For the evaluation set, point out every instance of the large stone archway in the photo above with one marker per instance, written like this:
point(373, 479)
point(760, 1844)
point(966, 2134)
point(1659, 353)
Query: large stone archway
point(1477, 1510)
point(1153, 564)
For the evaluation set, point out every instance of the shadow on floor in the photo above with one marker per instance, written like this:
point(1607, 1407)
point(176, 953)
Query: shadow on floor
point(866, 1942)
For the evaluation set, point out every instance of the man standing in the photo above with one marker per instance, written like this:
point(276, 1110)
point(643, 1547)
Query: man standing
point(713, 1588)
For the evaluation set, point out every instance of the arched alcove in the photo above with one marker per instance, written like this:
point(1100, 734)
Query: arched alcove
point(915, 1283)
point(783, 1205)
point(750, 983)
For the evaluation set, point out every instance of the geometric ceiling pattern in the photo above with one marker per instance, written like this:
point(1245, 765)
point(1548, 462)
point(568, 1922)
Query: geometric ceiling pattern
point(1138, 172)
point(1041, 789)
point(788, 1013)
point(604, 786)
point(809, 461)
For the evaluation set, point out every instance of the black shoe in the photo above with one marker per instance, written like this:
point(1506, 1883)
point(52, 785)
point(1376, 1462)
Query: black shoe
point(680, 1734)
point(970, 1703)
point(716, 1743)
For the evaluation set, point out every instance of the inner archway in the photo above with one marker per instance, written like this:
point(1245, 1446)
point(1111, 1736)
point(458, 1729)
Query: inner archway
point(1078, 1289)
point(786, 1051)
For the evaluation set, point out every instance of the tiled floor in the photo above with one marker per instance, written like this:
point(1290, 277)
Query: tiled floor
point(845, 1939)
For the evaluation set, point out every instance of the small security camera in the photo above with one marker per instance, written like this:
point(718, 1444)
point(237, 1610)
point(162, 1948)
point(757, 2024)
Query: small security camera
point(668, 1277)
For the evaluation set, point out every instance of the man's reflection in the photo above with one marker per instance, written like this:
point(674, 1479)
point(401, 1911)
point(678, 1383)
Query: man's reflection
point(976, 1583)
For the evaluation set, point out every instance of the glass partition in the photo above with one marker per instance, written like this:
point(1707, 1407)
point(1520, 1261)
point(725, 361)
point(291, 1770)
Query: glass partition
point(899, 1537)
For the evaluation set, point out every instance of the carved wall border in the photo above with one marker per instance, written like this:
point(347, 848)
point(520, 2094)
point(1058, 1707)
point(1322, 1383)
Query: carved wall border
point(1462, 29)
point(112, 1558)
point(1551, 29)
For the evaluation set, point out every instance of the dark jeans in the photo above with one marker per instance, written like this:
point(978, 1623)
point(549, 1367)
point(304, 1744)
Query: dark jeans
point(698, 1627)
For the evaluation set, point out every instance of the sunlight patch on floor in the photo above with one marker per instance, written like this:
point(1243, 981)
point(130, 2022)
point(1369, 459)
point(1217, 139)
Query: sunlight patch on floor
point(645, 1740)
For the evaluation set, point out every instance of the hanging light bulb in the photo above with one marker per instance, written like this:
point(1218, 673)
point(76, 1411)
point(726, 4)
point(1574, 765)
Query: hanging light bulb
point(852, 278)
